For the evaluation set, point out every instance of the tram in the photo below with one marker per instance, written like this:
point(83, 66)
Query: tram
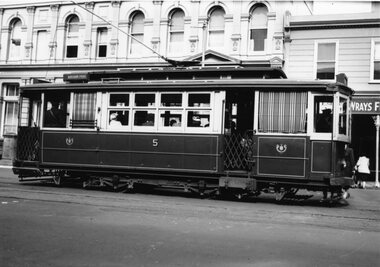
point(241, 130)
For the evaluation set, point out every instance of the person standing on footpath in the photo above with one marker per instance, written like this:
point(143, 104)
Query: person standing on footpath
point(362, 168)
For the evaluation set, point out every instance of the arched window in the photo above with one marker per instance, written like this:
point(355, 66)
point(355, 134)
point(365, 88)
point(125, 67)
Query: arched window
point(72, 36)
point(176, 31)
point(258, 28)
point(216, 28)
point(137, 31)
point(102, 42)
point(15, 40)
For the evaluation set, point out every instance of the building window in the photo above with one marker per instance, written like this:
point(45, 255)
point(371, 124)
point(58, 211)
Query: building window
point(176, 31)
point(102, 42)
point(42, 46)
point(72, 36)
point(15, 40)
point(258, 28)
point(326, 61)
point(282, 112)
point(216, 28)
point(11, 106)
point(375, 66)
point(137, 32)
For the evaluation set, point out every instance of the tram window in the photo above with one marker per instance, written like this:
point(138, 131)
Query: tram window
point(323, 106)
point(171, 118)
point(144, 118)
point(199, 118)
point(199, 100)
point(171, 100)
point(119, 100)
point(84, 110)
point(145, 100)
point(282, 112)
point(342, 116)
point(55, 110)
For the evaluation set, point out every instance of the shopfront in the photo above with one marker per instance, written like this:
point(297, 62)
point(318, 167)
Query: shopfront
point(365, 130)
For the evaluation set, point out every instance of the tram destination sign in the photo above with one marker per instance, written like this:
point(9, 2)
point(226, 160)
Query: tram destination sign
point(365, 106)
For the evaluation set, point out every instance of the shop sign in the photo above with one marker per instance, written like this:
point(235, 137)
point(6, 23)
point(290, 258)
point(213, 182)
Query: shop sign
point(365, 106)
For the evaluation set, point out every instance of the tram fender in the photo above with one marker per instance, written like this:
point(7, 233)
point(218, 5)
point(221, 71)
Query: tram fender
point(238, 182)
point(342, 181)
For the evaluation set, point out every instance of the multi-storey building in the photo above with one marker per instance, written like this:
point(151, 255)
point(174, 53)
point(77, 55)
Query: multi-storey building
point(42, 40)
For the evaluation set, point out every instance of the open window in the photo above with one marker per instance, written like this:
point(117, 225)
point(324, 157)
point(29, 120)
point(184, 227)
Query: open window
point(342, 118)
point(56, 109)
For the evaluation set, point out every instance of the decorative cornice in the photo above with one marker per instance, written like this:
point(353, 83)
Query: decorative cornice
point(31, 9)
point(54, 7)
point(116, 3)
point(326, 22)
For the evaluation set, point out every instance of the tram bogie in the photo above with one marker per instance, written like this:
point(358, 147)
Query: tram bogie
point(200, 131)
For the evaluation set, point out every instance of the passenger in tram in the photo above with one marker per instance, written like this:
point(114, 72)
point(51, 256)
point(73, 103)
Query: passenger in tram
point(174, 123)
point(324, 123)
point(113, 120)
point(149, 120)
point(55, 117)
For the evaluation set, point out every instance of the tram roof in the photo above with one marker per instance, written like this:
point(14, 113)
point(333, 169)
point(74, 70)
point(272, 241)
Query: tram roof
point(187, 79)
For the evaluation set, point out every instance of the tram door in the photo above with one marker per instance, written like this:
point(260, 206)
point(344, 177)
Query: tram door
point(239, 115)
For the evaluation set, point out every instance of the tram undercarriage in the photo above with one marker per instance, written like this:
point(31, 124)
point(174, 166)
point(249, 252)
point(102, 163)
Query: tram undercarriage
point(235, 184)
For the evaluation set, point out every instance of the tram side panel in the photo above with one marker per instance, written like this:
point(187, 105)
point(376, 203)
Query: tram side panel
point(195, 153)
point(282, 157)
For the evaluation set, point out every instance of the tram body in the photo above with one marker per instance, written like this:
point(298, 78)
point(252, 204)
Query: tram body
point(246, 130)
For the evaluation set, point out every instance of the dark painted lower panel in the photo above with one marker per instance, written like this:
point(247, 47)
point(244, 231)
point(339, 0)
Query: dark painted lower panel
point(282, 167)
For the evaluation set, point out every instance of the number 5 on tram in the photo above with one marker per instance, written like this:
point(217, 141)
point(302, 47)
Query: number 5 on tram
point(242, 130)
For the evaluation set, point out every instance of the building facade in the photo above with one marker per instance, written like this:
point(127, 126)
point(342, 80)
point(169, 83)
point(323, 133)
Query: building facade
point(322, 46)
point(41, 41)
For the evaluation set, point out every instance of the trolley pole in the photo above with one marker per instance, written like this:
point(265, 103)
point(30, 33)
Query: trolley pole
point(377, 124)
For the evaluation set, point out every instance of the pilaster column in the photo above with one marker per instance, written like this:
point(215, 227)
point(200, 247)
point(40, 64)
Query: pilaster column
point(156, 25)
point(87, 42)
point(114, 42)
point(53, 30)
point(195, 28)
point(29, 36)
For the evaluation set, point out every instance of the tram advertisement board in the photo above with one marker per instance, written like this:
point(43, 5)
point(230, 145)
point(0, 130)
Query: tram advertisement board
point(365, 105)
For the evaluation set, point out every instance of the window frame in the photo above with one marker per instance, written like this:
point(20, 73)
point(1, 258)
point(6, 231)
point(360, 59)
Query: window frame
point(136, 34)
point(316, 61)
point(374, 41)
point(216, 30)
point(253, 27)
point(100, 42)
point(15, 40)
point(171, 32)
point(74, 42)
point(10, 99)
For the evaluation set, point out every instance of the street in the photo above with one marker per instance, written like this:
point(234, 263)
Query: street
point(44, 225)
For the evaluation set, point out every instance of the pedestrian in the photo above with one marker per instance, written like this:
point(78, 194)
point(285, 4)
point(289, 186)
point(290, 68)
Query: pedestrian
point(349, 163)
point(362, 168)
